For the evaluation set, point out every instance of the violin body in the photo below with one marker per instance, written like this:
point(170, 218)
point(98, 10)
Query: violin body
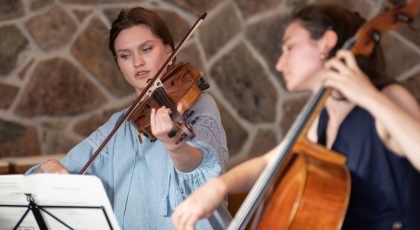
point(183, 85)
point(308, 193)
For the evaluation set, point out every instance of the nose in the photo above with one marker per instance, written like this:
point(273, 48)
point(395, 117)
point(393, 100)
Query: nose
point(138, 60)
point(280, 64)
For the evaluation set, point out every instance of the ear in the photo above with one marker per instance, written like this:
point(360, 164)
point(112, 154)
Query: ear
point(168, 49)
point(328, 41)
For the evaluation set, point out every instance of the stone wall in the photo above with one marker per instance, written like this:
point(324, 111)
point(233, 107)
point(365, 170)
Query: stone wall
point(58, 81)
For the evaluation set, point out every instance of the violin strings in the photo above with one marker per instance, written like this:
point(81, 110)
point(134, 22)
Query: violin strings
point(163, 98)
point(157, 95)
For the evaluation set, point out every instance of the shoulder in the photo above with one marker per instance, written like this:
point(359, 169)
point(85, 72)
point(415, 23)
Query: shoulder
point(117, 115)
point(206, 100)
point(103, 130)
point(399, 95)
point(113, 119)
point(403, 98)
point(206, 105)
point(395, 90)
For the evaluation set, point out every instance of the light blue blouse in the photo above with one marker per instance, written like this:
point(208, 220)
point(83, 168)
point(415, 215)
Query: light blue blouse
point(140, 179)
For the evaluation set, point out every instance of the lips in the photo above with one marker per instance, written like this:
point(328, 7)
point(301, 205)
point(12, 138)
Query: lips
point(141, 74)
point(285, 76)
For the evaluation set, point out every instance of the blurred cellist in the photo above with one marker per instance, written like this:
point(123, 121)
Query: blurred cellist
point(371, 119)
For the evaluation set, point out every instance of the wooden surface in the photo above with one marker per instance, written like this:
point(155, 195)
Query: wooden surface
point(19, 165)
point(4, 167)
point(235, 201)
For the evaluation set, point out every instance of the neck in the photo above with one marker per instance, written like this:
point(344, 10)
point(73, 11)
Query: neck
point(316, 80)
point(338, 109)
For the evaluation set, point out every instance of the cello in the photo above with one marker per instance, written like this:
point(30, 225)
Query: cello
point(307, 186)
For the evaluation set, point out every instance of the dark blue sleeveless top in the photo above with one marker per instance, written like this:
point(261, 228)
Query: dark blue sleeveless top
point(385, 192)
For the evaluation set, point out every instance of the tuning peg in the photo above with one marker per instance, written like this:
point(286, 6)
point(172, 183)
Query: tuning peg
point(187, 115)
point(182, 138)
point(194, 120)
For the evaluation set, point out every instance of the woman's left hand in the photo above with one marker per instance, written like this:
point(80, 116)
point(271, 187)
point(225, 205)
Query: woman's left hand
point(194, 207)
point(348, 78)
point(161, 124)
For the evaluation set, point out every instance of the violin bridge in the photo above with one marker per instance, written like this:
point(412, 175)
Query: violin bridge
point(154, 86)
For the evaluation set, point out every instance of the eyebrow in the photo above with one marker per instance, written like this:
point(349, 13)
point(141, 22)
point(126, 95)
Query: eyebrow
point(284, 40)
point(141, 45)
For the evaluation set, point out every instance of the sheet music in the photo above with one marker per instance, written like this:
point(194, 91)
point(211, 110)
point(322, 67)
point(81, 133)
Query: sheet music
point(55, 190)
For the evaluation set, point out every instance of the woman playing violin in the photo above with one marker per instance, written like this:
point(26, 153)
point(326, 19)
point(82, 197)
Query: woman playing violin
point(369, 118)
point(146, 180)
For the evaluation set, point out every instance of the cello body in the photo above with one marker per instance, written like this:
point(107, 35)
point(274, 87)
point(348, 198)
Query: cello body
point(309, 193)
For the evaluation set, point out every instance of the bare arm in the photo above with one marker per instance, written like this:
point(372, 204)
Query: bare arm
point(402, 126)
point(207, 198)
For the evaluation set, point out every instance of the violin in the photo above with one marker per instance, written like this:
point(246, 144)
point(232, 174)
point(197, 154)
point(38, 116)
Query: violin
point(307, 186)
point(182, 86)
point(155, 89)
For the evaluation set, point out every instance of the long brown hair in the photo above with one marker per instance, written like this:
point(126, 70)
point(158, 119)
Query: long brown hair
point(318, 18)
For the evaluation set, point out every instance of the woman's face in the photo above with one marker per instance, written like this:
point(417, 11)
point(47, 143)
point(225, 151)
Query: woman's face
point(139, 55)
point(301, 59)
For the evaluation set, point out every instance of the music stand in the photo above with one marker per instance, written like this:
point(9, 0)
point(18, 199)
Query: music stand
point(36, 211)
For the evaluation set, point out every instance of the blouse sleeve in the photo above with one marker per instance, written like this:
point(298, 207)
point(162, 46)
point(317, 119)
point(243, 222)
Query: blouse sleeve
point(79, 155)
point(211, 140)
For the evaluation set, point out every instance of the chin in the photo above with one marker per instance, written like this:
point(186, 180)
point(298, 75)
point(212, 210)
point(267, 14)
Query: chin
point(291, 87)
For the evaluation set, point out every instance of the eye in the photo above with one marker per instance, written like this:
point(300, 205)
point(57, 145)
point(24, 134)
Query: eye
point(124, 56)
point(284, 49)
point(147, 49)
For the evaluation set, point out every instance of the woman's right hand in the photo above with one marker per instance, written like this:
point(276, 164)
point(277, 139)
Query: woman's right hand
point(52, 166)
point(349, 79)
point(200, 204)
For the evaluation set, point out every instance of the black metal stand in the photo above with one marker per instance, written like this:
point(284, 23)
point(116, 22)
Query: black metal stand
point(36, 211)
